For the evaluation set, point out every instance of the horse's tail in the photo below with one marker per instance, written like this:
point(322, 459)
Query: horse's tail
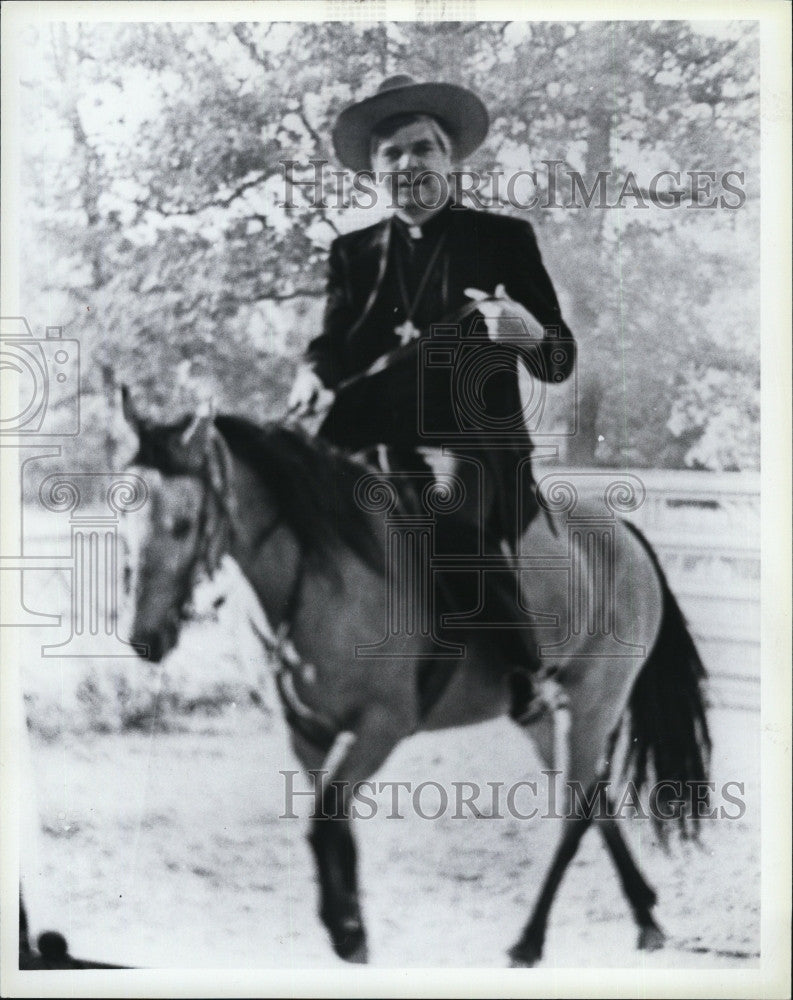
point(668, 727)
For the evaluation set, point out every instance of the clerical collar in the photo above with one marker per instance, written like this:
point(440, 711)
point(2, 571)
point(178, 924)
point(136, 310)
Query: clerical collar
point(433, 225)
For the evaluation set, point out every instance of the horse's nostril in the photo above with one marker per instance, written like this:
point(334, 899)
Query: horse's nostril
point(153, 646)
point(141, 648)
point(219, 602)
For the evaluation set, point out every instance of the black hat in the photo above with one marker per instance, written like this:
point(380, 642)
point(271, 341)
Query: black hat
point(459, 111)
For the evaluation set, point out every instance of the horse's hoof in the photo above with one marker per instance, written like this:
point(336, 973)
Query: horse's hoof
point(52, 946)
point(524, 956)
point(651, 938)
point(350, 943)
point(360, 956)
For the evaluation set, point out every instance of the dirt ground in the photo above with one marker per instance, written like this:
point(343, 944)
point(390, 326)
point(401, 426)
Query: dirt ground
point(167, 850)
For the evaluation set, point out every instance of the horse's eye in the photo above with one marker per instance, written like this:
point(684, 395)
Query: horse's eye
point(181, 528)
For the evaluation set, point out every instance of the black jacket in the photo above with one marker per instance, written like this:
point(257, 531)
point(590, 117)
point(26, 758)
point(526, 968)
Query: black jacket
point(482, 251)
point(475, 397)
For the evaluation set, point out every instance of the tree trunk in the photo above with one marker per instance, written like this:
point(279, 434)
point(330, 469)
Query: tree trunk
point(588, 298)
point(583, 444)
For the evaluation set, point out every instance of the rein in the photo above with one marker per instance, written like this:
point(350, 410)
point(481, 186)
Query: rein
point(311, 725)
point(206, 549)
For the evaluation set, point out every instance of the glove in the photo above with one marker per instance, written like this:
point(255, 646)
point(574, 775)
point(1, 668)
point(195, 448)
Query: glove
point(308, 396)
point(500, 306)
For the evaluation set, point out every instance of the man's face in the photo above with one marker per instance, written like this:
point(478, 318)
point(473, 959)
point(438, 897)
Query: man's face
point(412, 150)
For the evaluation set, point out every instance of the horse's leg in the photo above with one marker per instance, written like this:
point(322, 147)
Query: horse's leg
point(336, 859)
point(640, 895)
point(592, 718)
point(528, 949)
point(331, 838)
point(544, 733)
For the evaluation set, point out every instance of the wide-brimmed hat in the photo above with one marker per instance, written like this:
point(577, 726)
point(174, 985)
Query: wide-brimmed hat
point(460, 112)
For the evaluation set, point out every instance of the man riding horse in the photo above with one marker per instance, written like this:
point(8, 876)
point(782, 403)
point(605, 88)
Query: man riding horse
point(435, 267)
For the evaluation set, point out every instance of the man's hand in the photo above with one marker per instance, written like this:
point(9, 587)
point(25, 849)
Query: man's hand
point(500, 306)
point(308, 396)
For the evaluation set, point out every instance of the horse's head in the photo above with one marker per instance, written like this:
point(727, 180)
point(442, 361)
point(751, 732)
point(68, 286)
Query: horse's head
point(186, 525)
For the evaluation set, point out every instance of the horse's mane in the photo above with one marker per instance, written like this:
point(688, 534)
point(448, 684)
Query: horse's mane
point(312, 484)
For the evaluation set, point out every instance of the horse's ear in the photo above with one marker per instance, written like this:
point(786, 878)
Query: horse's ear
point(220, 469)
point(200, 424)
point(128, 409)
point(191, 431)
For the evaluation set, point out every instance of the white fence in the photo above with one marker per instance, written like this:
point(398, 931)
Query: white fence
point(705, 528)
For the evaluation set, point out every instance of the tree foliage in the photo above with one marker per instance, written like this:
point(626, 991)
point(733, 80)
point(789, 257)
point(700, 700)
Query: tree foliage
point(154, 187)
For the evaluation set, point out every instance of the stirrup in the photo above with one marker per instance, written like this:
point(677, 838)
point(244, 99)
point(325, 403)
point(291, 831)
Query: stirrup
point(547, 696)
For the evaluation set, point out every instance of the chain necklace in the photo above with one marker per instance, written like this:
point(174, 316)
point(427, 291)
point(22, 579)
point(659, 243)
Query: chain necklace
point(408, 331)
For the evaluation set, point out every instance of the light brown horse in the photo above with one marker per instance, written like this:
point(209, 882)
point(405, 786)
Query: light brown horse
point(301, 521)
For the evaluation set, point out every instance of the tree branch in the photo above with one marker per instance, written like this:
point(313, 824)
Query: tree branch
point(160, 208)
point(297, 293)
point(301, 114)
point(238, 31)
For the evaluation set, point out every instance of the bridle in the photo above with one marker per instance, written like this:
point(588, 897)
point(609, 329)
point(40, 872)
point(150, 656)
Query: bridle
point(214, 533)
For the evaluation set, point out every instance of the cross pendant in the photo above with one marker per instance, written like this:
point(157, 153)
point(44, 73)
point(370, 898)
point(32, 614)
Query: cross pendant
point(406, 332)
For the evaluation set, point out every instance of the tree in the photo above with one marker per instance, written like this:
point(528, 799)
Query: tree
point(185, 263)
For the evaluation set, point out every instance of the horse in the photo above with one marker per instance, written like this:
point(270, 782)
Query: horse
point(297, 516)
